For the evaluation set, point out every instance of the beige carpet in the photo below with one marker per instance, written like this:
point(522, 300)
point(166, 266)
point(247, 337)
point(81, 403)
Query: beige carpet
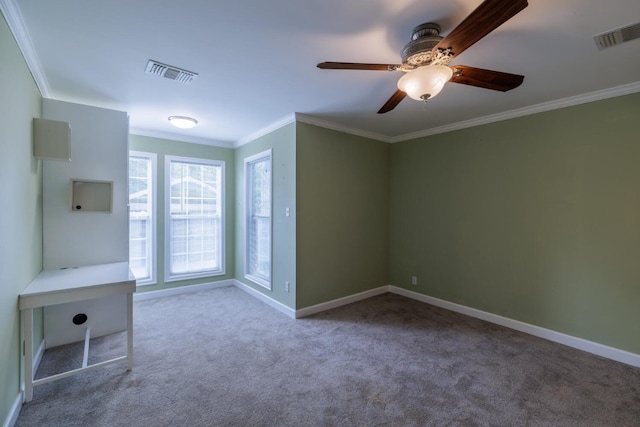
point(222, 358)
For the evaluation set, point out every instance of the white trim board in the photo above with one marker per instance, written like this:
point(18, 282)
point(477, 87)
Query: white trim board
point(179, 137)
point(12, 416)
point(305, 118)
point(144, 296)
point(14, 412)
point(558, 337)
point(525, 111)
point(15, 21)
point(14, 18)
point(308, 311)
point(288, 119)
point(506, 115)
point(266, 299)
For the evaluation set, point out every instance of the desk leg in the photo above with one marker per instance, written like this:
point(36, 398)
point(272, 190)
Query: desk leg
point(28, 354)
point(130, 331)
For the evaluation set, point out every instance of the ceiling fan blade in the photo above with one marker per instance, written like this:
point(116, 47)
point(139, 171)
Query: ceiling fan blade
point(484, 19)
point(392, 102)
point(488, 79)
point(357, 66)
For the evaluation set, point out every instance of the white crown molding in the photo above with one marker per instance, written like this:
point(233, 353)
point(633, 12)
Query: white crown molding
point(288, 119)
point(526, 111)
point(179, 138)
point(14, 19)
point(12, 14)
point(304, 118)
point(512, 114)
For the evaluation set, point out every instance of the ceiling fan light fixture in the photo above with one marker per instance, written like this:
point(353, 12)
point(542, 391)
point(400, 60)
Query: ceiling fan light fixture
point(425, 82)
point(183, 122)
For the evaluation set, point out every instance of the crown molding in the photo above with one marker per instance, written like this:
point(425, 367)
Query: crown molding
point(512, 114)
point(304, 118)
point(526, 111)
point(180, 138)
point(12, 14)
point(14, 19)
point(290, 118)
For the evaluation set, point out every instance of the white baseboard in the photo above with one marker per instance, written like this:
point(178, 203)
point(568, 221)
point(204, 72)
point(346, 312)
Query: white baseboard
point(265, 299)
point(612, 353)
point(568, 340)
point(308, 311)
point(143, 296)
point(12, 416)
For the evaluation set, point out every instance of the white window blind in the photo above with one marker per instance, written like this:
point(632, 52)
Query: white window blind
point(258, 210)
point(142, 216)
point(194, 235)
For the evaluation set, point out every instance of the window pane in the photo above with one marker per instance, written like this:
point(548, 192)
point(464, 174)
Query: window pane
point(258, 183)
point(195, 208)
point(140, 216)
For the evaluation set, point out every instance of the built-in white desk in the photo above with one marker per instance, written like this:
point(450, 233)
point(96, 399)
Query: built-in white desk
point(75, 284)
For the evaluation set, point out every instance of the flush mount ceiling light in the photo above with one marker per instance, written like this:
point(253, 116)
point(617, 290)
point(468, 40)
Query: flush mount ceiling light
point(183, 122)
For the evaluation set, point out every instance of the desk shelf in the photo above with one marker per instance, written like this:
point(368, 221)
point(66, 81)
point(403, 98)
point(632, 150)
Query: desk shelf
point(60, 286)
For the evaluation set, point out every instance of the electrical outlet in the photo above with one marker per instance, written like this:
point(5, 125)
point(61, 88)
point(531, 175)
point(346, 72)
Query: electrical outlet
point(286, 286)
point(414, 280)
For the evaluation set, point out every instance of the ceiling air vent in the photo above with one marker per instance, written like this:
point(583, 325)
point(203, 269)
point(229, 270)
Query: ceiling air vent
point(170, 72)
point(618, 36)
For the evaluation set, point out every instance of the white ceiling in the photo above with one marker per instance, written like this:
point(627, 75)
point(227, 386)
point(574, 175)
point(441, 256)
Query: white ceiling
point(257, 59)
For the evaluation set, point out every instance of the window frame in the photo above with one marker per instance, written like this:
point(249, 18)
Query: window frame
point(152, 246)
point(248, 161)
point(168, 275)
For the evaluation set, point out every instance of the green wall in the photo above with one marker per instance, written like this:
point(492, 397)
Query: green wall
point(21, 213)
point(164, 147)
point(342, 200)
point(282, 143)
point(536, 219)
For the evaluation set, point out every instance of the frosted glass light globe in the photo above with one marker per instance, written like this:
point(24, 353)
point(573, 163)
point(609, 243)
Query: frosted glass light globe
point(425, 82)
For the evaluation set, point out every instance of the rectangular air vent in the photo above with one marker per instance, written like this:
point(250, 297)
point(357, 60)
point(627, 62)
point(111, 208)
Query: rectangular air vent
point(170, 72)
point(618, 36)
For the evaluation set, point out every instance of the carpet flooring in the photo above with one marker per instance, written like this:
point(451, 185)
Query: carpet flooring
point(222, 358)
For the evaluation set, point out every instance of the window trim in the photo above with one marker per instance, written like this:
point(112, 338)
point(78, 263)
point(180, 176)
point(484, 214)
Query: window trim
point(173, 277)
point(267, 154)
point(153, 157)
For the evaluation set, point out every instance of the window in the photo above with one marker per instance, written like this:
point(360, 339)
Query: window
point(194, 212)
point(257, 173)
point(142, 217)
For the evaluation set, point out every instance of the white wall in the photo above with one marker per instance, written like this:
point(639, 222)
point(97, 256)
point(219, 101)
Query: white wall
point(99, 152)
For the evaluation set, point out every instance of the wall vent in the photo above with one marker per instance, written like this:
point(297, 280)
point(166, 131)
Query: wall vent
point(170, 72)
point(619, 36)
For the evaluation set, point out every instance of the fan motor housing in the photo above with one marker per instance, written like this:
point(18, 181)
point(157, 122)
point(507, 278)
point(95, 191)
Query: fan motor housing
point(424, 38)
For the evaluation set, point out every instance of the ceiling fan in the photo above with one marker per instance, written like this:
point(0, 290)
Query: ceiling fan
point(426, 58)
